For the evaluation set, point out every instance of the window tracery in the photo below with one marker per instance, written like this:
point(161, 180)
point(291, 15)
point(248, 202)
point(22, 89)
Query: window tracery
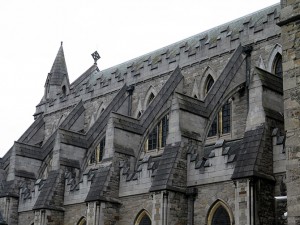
point(143, 219)
point(222, 122)
point(98, 153)
point(277, 67)
point(158, 136)
point(209, 83)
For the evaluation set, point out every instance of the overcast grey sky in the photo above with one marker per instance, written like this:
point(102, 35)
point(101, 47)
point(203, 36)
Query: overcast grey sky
point(31, 32)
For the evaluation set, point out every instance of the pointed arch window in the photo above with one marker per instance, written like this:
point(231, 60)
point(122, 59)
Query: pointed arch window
point(220, 217)
point(64, 90)
point(150, 99)
point(143, 219)
point(98, 153)
point(139, 114)
point(277, 66)
point(209, 83)
point(82, 221)
point(220, 214)
point(222, 122)
point(158, 136)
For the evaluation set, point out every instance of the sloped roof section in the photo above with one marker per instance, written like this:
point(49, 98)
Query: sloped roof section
point(163, 177)
point(50, 192)
point(270, 81)
point(98, 184)
point(59, 68)
point(252, 160)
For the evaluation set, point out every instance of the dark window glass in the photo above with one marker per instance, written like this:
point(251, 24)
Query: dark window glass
point(165, 129)
point(221, 217)
point(278, 66)
point(139, 115)
point(145, 220)
point(210, 82)
point(151, 97)
point(152, 139)
point(213, 128)
point(101, 152)
point(93, 157)
point(226, 118)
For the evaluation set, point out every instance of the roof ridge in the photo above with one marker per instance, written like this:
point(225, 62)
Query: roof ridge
point(189, 38)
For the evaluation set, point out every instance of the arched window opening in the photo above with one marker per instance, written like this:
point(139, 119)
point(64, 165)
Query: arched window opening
point(158, 136)
point(64, 90)
point(213, 128)
point(82, 221)
point(222, 122)
point(209, 83)
point(220, 217)
point(143, 219)
point(277, 67)
point(220, 214)
point(139, 114)
point(150, 99)
point(98, 153)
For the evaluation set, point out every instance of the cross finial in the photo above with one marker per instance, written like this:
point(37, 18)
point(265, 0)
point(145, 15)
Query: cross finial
point(61, 43)
point(96, 56)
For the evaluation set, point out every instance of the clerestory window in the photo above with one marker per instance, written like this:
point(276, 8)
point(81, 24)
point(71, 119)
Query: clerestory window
point(98, 153)
point(222, 122)
point(209, 83)
point(158, 136)
point(277, 67)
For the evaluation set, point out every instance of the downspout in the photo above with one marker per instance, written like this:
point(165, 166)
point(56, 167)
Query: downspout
point(165, 208)
point(252, 202)
point(247, 50)
point(130, 90)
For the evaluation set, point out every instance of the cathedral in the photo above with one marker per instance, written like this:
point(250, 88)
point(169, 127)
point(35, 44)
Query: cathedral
point(203, 131)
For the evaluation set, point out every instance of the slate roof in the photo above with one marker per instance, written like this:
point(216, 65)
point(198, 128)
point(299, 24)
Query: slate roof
point(73, 116)
point(98, 184)
point(46, 198)
point(250, 161)
point(35, 133)
point(162, 97)
point(231, 147)
point(167, 163)
point(270, 80)
point(59, 69)
point(208, 37)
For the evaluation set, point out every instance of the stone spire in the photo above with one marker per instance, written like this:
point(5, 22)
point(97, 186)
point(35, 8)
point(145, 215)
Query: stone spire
point(58, 80)
point(59, 68)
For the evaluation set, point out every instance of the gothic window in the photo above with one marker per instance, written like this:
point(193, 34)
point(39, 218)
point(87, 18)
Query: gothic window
point(82, 221)
point(143, 219)
point(277, 67)
point(220, 214)
point(220, 217)
point(226, 118)
point(158, 136)
point(98, 153)
point(139, 114)
point(209, 83)
point(222, 122)
point(152, 139)
point(64, 90)
point(214, 128)
point(151, 97)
